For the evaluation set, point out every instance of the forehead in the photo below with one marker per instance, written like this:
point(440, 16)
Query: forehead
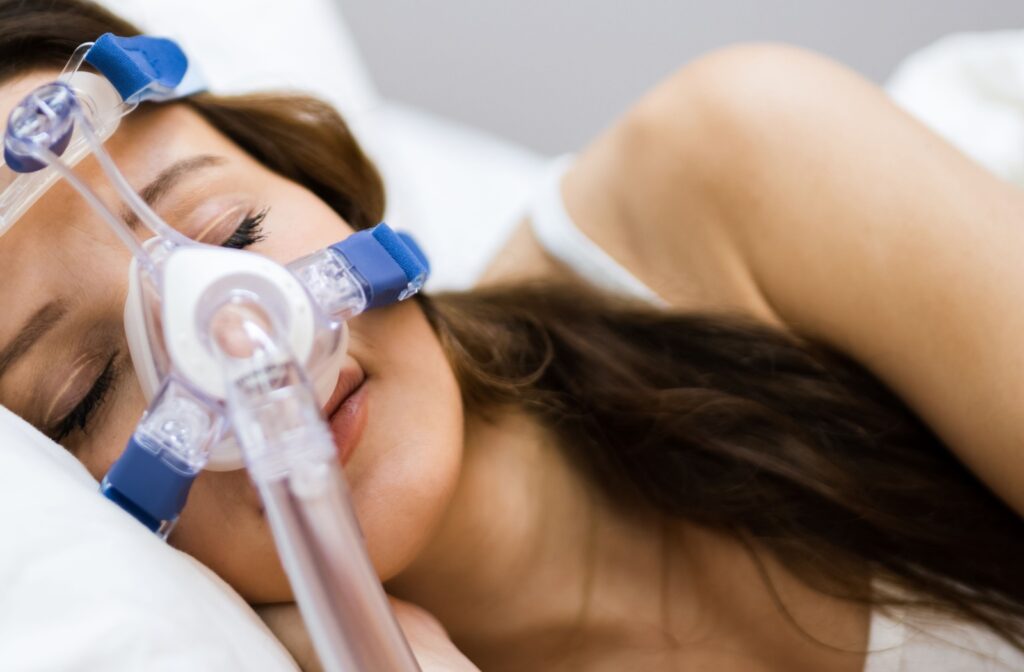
point(16, 88)
point(147, 139)
point(60, 230)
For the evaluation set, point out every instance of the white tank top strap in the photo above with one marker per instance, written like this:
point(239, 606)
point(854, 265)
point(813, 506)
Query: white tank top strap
point(885, 645)
point(906, 641)
point(562, 239)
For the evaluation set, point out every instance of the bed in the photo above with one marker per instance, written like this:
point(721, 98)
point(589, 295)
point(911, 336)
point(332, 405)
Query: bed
point(85, 586)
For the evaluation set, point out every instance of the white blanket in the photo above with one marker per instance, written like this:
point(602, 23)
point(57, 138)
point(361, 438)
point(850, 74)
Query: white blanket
point(969, 88)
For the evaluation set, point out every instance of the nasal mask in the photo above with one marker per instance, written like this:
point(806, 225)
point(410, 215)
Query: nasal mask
point(236, 353)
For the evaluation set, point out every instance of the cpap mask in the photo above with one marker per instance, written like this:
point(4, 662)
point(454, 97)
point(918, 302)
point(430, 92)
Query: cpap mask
point(235, 353)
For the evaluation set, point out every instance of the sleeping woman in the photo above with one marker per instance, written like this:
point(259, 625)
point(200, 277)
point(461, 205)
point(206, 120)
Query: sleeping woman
point(762, 412)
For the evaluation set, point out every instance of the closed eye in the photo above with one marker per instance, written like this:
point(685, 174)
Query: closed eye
point(249, 231)
point(79, 417)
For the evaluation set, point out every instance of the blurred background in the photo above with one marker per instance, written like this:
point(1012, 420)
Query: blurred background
point(550, 74)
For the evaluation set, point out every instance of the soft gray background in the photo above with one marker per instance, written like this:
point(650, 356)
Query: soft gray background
point(551, 73)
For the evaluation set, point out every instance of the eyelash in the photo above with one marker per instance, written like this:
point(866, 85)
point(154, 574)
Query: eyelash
point(248, 232)
point(79, 416)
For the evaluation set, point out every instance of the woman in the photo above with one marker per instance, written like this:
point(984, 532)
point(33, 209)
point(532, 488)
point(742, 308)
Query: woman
point(566, 479)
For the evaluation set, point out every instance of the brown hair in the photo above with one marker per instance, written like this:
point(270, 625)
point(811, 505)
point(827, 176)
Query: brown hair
point(711, 417)
point(736, 425)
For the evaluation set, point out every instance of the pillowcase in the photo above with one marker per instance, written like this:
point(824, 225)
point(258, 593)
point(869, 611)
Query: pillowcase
point(86, 587)
point(242, 46)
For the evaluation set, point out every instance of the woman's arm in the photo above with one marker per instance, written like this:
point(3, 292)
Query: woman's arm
point(853, 223)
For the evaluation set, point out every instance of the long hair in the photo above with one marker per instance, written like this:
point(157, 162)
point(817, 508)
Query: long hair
point(709, 417)
point(727, 422)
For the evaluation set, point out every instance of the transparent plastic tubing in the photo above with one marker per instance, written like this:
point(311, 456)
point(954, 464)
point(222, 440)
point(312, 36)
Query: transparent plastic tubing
point(292, 459)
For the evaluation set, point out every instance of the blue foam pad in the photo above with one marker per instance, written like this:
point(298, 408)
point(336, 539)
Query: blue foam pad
point(411, 243)
point(133, 63)
point(410, 260)
point(386, 262)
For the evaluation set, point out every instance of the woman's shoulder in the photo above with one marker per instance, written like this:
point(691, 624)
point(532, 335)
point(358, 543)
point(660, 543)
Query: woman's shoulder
point(625, 194)
point(574, 229)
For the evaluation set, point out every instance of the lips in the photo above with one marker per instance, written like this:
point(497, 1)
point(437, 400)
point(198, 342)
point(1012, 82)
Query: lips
point(346, 410)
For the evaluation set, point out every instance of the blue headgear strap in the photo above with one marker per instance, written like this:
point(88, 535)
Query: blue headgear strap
point(144, 68)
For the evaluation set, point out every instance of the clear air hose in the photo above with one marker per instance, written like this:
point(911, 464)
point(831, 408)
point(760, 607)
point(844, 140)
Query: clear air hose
point(294, 464)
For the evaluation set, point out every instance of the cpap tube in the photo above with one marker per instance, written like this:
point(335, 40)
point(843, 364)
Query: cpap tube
point(293, 462)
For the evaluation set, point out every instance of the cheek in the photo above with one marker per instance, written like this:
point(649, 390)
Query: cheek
point(405, 468)
point(223, 526)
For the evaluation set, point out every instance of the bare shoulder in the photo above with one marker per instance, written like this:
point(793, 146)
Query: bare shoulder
point(631, 192)
point(863, 230)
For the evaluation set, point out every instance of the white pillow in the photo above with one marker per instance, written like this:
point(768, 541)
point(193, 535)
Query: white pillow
point(253, 45)
point(86, 587)
point(969, 88)
point(458, 189)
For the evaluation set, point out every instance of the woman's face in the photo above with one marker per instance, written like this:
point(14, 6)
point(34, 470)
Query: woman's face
point(65, 271)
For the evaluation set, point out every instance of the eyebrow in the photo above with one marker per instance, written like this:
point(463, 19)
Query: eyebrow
point(166, 180)
point(35, 327)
